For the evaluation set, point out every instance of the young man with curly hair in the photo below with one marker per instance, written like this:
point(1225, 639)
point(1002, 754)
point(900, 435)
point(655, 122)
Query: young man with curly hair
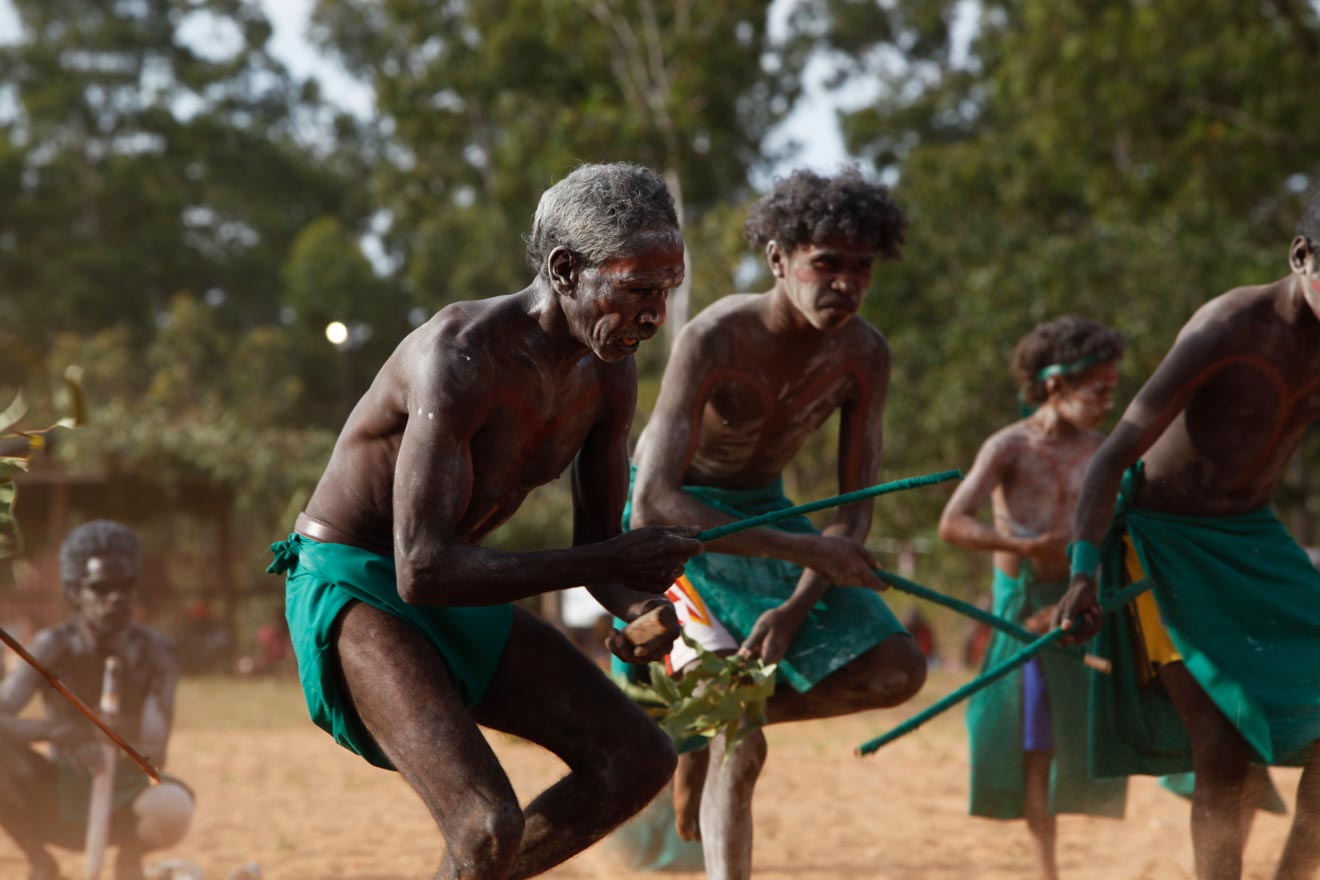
point(1227, 638)
point(1028, 730)
point(749, 380)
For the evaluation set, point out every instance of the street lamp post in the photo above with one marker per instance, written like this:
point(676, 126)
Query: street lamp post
point(347, 338)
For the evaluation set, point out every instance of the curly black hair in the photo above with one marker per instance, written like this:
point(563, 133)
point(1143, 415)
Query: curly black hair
point(806, 208)
point(100, 537)
point(1064, 340)
point(1309, 227)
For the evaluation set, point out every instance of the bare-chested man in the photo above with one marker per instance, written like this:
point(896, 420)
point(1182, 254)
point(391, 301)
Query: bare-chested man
point(45, 801)
point(749, 380)
point(1232, 629)
point(401, 621)
point(1028, 730)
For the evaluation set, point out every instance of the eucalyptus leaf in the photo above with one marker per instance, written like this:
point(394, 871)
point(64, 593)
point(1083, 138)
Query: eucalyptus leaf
point(716, 695)
point(13, 413)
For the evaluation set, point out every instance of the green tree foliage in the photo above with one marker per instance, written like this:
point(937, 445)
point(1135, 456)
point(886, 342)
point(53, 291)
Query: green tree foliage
point(149, 147)
point(483, 105)
point(182, 214)
point(1126, 161)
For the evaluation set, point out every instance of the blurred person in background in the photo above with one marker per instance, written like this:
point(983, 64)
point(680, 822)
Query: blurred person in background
point(1027, 731)
point(44, 800)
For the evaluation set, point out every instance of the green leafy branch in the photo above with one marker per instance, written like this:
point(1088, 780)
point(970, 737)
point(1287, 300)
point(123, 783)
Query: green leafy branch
point(12, 465)
point(717, 695)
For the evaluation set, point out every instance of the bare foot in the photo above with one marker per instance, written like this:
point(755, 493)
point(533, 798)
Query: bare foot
point(689, 779)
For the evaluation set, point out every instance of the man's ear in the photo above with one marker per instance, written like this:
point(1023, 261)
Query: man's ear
point(1053, 385)
point(561, 266)
point(1298, 251)
point(775, 258)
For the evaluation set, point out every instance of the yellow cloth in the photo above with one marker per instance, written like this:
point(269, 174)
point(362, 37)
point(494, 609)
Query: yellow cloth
point(1146, 616)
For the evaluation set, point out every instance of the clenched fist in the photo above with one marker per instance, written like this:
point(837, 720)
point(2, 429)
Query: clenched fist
point(650, 559)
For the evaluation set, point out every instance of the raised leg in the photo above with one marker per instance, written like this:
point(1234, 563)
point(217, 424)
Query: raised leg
point(889, 674)
point(1036, 808)
point(726, 807)
point(546, 691)
point(405, 697)
point(1220, 757)
point(1301, 855)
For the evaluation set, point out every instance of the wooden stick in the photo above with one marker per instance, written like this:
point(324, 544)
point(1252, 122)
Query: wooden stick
point(78, 704)
point(773, 516)
point(990, 676)
point(1100, 664)
point(103, 780)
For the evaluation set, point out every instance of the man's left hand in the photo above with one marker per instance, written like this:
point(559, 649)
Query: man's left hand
point(773, 633)
point(650, 635)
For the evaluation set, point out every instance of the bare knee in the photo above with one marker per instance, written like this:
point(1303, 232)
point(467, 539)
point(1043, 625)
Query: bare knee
point(486, 838)
point(635, 769)
point(898, 671)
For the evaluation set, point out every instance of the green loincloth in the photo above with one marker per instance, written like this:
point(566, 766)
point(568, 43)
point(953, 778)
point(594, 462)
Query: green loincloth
point(994, 720)
point(846, 622)
point(1241, 603)
point(322, 579)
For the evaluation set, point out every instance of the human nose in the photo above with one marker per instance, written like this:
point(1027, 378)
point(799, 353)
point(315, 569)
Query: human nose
point(846, 282)
point(653, 311)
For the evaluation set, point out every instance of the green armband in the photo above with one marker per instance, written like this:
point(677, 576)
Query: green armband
point(1085, 558)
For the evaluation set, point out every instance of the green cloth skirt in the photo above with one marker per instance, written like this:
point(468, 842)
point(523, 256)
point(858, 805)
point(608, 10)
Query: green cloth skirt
point(1241, 603)
point(322, 579)
point(846, 622)
point(994, 720)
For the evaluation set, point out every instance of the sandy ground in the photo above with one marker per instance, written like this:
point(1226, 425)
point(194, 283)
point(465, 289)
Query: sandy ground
point(276, 791)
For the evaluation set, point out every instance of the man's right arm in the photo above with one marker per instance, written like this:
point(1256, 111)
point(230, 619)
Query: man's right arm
point(433, 483)
point(959, 524)
point(1197, 355)
point(17, 689)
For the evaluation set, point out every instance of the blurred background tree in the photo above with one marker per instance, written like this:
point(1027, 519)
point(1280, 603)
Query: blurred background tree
point(182, 216)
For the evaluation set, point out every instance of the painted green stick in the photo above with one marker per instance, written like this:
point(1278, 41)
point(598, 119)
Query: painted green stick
point(989, 677)
point(774, 516)
point(1007, 627)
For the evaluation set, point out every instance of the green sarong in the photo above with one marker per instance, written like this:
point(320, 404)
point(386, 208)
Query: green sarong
point(846, 622)
point(1241, 603)
point(322, 579)
point(994, 720)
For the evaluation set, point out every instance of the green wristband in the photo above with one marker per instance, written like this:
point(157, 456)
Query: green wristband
point(1085, 558)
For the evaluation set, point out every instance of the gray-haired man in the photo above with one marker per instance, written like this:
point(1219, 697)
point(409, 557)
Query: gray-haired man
point(401, 621)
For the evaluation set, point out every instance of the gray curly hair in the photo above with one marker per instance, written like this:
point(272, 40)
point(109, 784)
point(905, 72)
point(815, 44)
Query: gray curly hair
point(596, 209)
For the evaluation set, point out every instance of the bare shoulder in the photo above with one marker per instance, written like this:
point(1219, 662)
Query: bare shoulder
point(456, 347)
point(717, 328)
point(1007, 444)
point(156, 642)
point(1235, 314)
point(865, 339)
